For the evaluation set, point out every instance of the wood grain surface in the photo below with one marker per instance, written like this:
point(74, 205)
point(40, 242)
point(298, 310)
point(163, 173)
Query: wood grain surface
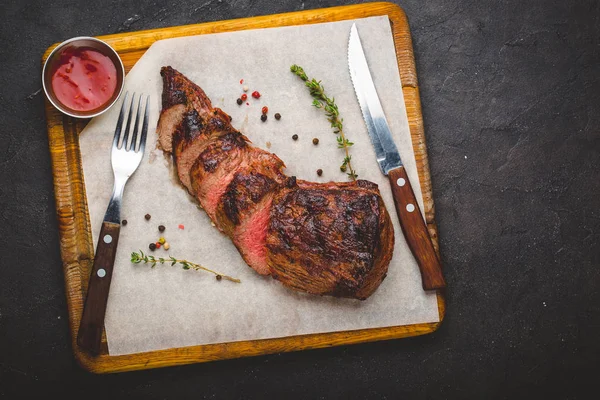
point(77, 247)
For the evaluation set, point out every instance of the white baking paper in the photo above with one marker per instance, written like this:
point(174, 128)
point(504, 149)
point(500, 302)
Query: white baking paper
point(166, 307)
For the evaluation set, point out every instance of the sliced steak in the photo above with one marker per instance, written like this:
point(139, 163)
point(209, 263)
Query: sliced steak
point(249, 184)
point(170, 120)
point(213, 169)
point(187, 109)
point(212, 174)
point(177, 89)
point(196, 136)
point(250, 236)
point(322, 238)
point(244, 208)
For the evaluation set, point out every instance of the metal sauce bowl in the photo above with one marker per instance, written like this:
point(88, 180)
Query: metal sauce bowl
point(54, 57)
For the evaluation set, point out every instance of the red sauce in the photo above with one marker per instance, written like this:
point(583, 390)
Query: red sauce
point(85, 79)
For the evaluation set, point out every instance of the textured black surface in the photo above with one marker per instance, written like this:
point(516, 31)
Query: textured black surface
point(511, 102)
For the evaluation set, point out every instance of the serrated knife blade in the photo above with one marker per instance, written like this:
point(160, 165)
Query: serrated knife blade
point(412, 223)
point(387, 153)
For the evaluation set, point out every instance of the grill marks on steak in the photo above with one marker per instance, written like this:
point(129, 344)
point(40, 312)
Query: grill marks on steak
point(194, 141)
point(170, 120)
point(325, 239)
point(187, 123)
point(208, 185)
point(321, 238)
point(177, 89)
point(244, 208)
point(246, 189)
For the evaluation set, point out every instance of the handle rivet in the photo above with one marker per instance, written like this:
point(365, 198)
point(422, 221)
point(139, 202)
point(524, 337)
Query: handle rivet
point(401, 182)
point(410, 207)
point(107, 239)
point(101, 272)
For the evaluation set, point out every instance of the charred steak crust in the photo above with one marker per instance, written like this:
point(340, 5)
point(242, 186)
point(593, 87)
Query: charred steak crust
point(177, 89)
point(321, 238)
point(218, 149)
point(244, 191)
point(188, 129)
point(258, 174)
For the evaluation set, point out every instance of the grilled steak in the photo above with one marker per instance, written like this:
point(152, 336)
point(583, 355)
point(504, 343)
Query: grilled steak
point(340, 225)
point(322, 238)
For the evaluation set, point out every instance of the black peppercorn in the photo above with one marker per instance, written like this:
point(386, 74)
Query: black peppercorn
point(295, 137)
point(319, 172)
point(239, 101)
point(152, 246)
point(315, 141)
point(277, 116)
point(147, 216)
point(219, 277)
point(263, 117)
point(124, 222)
point(161, 228)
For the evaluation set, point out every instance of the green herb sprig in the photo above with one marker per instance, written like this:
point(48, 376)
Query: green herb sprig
point(140, 257)
point(322, 101)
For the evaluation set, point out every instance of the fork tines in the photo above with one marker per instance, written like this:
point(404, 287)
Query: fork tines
point(133, 144)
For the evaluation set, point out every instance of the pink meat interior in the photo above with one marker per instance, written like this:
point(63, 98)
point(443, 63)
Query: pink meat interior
point(251, 237)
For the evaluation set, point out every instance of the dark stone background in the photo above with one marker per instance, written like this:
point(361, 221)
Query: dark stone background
point(511, 102)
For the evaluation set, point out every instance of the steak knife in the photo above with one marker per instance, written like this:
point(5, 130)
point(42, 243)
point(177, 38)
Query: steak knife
point(390, 163)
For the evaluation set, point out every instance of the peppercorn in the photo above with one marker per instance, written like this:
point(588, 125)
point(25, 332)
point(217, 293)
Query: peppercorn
point(152, 246)
point(295, 137)
point(161, 240)
point(277, 116)
point(219, 277)
point(265, 110)
point(263, 117)
point(315, 141)
point(245, 88)
point(255, 94)
point(124, 222)
point(157, 245)
point(319, 172)
point(240, 101)
point(166, 246)
point(244, 97)
point(147, 216)
point(161, 228)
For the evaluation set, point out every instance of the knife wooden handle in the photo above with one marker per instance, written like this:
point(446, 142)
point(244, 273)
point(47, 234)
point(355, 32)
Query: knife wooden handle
point(415, 230)
point(92, 320)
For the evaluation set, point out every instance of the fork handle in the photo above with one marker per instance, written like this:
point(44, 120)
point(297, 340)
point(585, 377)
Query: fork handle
point(92, 320)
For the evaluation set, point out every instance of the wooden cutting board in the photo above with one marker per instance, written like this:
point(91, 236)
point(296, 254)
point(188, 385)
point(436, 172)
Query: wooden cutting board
point(77, 247)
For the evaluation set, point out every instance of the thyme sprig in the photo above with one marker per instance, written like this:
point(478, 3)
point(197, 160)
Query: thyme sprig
point(322, 101)
point(140, 257)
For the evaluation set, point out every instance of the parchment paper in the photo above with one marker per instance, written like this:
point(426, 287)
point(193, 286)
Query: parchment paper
point(165, 306)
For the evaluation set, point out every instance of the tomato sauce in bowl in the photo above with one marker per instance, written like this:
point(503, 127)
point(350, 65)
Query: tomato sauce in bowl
point(83, 77)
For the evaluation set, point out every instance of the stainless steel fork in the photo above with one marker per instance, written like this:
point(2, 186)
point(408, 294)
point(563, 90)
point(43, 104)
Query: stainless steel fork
point(126, 156)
